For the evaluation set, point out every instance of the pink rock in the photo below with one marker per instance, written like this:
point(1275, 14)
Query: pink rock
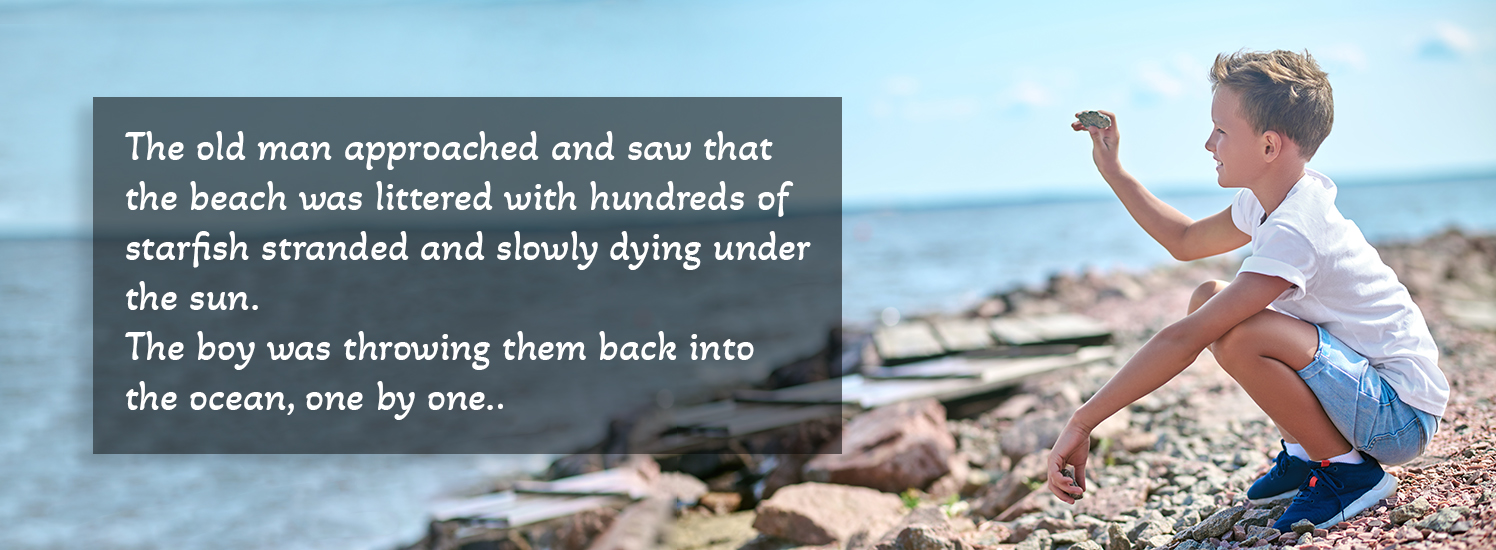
point(819, 513)
point(1407, 534)
point(891, 449)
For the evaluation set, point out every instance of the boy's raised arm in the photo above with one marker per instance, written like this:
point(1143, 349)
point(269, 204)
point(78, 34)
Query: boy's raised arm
point(1159, 360)
point(1184, 238)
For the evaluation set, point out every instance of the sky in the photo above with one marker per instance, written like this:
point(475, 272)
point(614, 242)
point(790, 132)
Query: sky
point(941, 104)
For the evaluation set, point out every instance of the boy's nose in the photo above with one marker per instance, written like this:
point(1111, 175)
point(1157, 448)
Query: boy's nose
point(1210, 143)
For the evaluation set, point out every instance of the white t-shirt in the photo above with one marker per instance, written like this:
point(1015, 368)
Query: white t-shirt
point(1341, 284)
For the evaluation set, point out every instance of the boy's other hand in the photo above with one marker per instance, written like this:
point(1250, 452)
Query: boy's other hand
point(1103, 143)
point(1071, 449)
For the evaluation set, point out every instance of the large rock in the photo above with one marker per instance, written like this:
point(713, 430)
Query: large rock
point(891, 449)
point(1411, 511)
point(819, 513)
point(1216, 525)
point(1444, 521)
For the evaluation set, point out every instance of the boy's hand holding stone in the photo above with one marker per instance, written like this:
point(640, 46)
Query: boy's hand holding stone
point(1071, 449)
point(1103, 143)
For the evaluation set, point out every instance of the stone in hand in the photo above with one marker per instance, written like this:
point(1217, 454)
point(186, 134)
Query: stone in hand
point(1095, 119)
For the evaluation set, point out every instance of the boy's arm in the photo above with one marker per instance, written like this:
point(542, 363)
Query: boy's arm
point(1184, 238)
point(1159, 360)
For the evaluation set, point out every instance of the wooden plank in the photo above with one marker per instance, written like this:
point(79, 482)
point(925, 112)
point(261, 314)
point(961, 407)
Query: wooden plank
point(1015, 331)
point(1060, 328)
point(1069, 327)
point(512, 509)
point(907, 341)
point(995, 374)
point(959, 335)
point(977, 376)
point(614, 482)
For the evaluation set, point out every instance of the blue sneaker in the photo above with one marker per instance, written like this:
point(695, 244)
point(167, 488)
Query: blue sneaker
point(1283, 481)
point(1335, 492)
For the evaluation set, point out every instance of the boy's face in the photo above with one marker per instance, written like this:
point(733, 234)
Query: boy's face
point(1237, 149)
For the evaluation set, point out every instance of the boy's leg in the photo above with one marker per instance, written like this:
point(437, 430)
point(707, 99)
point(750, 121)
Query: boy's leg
point(1264, 354)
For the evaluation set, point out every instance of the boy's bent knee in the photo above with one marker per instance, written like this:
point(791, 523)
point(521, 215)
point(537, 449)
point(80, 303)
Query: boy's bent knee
point(1204, 292)
point(1270, 334)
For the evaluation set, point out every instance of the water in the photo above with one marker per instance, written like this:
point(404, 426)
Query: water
point(55, 493)
point(924, 260)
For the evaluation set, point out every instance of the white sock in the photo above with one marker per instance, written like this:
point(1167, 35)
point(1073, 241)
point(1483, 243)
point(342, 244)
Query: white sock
point(1352, 457)
point(1297, 451)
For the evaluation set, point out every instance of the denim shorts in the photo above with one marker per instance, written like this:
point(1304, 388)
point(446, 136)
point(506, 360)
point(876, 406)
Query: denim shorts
point(1363, 406)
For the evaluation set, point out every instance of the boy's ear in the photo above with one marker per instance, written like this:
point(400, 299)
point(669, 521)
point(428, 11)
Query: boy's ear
point(1272, 145)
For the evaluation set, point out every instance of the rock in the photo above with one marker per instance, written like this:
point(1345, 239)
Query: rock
point(1012, 487)
point(1138, 441)
point(1407, 533)
point(1033, 433)
point(1185, 520)
point(1217, 524)
point(1256, 533)
point(818, 513)
point(1038, 540)
point(1156, 541)
point(1443, 520)
point(893, 448)
point(928, 517)
point(989, 533)
point(1302, 526)
point(1256, 517)
point(1114, 427)
point(721, 503)
point(1040, 500)
point(922, 537)
point(1069, 537)
point(1287, 538)
point(1086, 545)
point(1116, 539)
point(1094, 119)
point(1411, 511)
point(1109, 502)
point(1014, 407)
point(1149, 526)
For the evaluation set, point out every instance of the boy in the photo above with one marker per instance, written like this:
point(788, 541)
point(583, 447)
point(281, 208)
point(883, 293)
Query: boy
point(1315, 328)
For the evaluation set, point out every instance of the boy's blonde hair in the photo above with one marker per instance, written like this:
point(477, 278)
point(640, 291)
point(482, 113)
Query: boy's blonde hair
point(1281, 91)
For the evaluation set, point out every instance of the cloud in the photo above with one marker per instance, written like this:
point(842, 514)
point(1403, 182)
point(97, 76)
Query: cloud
point(1180, 76)
point(1448, 41)
point(954, 108)
point(1347, 55)
point(901, 98)
point(901, 86)
point(1028, 93)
